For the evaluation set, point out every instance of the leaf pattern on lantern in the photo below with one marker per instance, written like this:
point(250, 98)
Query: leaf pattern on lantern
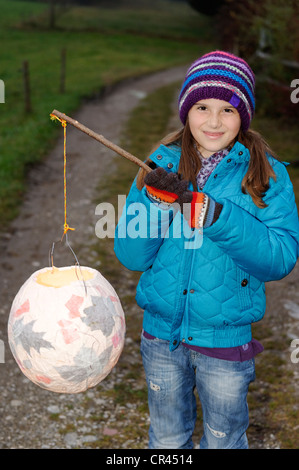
point(24, 335)
point(86, 364)
point(25, 308)
point(99, 316)
point(73, 305)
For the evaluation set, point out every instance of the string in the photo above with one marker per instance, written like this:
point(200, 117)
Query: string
point(66, 226)
point(77, 264)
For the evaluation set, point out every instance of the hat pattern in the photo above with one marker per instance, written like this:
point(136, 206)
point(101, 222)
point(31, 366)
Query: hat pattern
point(223, 76)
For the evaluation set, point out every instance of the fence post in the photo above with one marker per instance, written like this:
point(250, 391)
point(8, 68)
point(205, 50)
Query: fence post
point(26, 82)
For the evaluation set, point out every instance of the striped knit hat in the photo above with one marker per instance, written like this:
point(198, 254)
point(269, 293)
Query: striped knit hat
point(223, 76)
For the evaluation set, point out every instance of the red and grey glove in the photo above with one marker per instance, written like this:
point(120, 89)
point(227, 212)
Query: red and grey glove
point(168, 188)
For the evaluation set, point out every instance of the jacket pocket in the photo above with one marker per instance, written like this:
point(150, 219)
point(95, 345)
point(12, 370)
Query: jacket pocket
point(244, 290)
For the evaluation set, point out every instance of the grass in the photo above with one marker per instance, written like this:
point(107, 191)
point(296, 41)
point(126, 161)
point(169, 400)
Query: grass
point(119, 44)
point(156, 109)
point(158, 18)
point(273, 397)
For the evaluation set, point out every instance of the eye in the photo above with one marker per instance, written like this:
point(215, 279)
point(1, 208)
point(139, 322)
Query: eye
point(229, 110)
point(201, 107)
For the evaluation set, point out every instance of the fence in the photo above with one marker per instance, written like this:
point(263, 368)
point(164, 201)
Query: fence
point(26, 81)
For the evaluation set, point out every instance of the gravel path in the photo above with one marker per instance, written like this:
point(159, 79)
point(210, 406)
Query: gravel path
point(33, 418)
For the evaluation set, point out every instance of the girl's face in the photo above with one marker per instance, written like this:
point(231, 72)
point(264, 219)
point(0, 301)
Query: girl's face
point(214, 124)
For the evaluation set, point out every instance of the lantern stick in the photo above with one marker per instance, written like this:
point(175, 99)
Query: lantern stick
point(102, 140)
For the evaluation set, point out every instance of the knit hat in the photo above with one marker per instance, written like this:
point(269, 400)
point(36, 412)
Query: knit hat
point(223, 76)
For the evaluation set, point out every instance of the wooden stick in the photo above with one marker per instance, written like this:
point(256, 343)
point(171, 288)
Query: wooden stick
point(102, 140)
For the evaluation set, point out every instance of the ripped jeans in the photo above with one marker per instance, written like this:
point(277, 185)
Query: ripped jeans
point(222, 388)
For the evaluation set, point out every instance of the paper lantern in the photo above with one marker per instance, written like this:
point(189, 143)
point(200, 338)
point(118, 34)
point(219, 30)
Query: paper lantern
point(66, 328)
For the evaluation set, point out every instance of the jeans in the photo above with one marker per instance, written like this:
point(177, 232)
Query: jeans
point(222, 387)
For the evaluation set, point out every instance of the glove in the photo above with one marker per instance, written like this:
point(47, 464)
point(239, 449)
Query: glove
point(169, 188)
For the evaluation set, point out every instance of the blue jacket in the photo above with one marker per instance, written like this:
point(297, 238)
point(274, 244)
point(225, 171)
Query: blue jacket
point(206, 289)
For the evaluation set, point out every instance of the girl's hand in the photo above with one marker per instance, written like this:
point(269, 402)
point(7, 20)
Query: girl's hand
point(168, 188)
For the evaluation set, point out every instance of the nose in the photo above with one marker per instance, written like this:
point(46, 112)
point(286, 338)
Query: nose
point(214, 120)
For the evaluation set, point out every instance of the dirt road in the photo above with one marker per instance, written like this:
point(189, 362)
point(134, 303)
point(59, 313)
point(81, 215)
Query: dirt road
point(35, 418)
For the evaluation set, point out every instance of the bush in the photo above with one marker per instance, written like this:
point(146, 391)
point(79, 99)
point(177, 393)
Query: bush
point(266, 34)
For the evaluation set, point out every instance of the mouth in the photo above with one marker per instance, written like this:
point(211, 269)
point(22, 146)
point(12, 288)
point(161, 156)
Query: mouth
point(213, 135)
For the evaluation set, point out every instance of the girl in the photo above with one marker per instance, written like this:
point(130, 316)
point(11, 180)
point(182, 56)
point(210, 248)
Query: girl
point(204, 268)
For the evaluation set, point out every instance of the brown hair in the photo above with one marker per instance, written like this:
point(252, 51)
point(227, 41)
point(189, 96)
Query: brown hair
point(256, 180)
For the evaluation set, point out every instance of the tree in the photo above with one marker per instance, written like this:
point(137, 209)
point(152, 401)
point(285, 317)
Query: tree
point(266, 34)
point(52, 16)
point(53, 6)
point(210, 7)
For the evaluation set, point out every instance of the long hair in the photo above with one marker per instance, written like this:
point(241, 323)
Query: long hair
point(256, 179)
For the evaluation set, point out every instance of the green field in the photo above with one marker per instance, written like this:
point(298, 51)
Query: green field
point(103, 46)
